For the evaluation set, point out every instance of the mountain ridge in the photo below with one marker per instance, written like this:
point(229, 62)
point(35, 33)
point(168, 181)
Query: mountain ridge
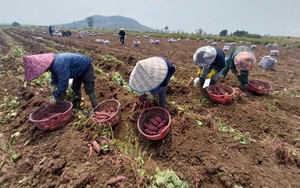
point(109, 23)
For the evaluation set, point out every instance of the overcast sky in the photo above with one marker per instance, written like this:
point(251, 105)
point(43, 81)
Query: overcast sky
point(274, 17)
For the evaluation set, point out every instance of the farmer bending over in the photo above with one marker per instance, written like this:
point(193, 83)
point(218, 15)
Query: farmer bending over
point(240, 61)
point(152, 75)
point(63, 66)
point(211, 61)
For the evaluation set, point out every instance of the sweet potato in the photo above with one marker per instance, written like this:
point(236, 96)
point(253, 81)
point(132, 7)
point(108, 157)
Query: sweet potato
point(158, 119)
point(115, 180)
point(147, 131)
point(161, 129)
point(96, 146)
point(162, 124)
point(150, 127)
point(101, 117)
point(153, 121)
point(101, 113)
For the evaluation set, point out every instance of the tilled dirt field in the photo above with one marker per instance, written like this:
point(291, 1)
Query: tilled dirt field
point(253, 141)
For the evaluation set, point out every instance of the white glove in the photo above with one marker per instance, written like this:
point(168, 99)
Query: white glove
point(196, 81)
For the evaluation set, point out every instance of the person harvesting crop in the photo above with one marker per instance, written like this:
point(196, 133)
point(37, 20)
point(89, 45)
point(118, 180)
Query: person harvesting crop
point(211, 61)
point(152, 75)
point(240, 61)
point(63, 66)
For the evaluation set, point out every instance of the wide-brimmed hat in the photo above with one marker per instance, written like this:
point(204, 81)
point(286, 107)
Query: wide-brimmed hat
point(122, 29)
point(148, 74)
point(204, 56)
point(36, 65)
point(244, 60)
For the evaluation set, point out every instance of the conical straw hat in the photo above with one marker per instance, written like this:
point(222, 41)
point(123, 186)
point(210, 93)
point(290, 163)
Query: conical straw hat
point(36, 65)
point(148, 74)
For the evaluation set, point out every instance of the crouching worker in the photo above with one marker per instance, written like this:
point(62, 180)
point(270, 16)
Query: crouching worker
point(152, 75)
point(211, 61)
point(240, 61)
point(63, 66)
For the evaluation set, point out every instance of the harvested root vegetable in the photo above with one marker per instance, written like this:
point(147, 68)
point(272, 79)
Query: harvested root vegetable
point(161, 129)
point(150, 127)
point(259, 84)
point(163, 123)
point(103, 115)
point(153, 121)
point(149, 132)
point(218, 90)
point(155, 125)
point(115, 180)
point(158, 119)
point(96, 146)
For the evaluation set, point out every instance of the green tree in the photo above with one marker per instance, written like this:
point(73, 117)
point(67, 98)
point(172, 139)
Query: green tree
point(15, 24)
point(199, 31)
point(166, 29)
point(223, 33)
point(90, 21)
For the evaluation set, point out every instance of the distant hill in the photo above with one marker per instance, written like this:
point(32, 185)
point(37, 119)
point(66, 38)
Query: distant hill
point(109, 23)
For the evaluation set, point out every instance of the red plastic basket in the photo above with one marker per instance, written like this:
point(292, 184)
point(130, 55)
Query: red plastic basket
point(53, 117)
point(148, 113)
point(222, 99)
point(259, 87)
point(106, 106)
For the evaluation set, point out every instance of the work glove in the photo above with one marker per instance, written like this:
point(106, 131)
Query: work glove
point(196, 81)
point(52, 101)
point(199, 72)
point(211, 74)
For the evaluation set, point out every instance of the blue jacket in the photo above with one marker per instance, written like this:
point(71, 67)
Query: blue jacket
point(64, 67)
point(171, 71)
point(219, 63)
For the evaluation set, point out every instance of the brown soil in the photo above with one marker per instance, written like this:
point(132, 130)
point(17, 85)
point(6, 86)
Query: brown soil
point(202, 155)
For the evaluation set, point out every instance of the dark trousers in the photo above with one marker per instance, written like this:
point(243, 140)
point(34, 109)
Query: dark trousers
point(122, 39)
point(87, 78)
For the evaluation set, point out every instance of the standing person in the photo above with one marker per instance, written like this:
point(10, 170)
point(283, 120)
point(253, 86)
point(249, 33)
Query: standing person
point(51, 30)
point(240, 61)
point(152, 75)
point(211, 61)
point(122, 35)
point(63, 66)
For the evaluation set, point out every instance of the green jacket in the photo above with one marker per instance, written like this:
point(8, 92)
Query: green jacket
point(229, 65)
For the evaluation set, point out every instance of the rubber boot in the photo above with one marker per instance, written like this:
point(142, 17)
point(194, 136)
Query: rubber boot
point(93, 99)
point(201, 81)
point(162, 98)
point(77, 99)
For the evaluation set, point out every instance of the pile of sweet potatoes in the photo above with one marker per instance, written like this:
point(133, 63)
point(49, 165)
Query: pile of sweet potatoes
point(154, 125)
point(259, 84)
point(47, 112)
point(218, 90)
point(104, 115)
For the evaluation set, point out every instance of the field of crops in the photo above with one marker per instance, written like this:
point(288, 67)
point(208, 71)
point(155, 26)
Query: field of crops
point(252, 142)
